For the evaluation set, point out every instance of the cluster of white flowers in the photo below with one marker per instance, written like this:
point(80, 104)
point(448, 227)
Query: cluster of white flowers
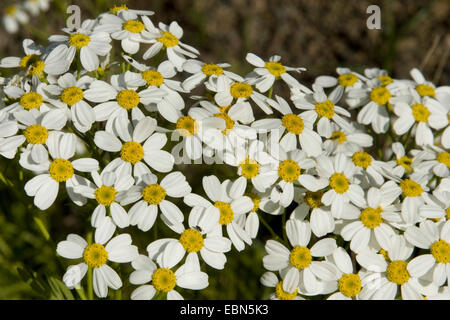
point(357, 167)
point(17, 14)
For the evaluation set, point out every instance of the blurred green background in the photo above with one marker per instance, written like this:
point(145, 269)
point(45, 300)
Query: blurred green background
point(318, 35)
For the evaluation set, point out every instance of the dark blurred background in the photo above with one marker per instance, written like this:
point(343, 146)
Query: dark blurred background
point(318, 35)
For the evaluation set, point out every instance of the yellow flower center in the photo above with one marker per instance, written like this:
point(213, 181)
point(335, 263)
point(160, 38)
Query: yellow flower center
point(116, 9)
point(31, 100)
point(153, 78)
point(396, 272)
point(362, 159)
point(168, 40)
point(241, 90)
point(385, 254)
point(293, 123)
point(105, 195)
point(210, 69)
point(385, 80)
point(132, 152)
point(325, 109)
point(256, 200)
point(275, 68)
point(349, 285)
point(420, 112)
point(36, 134)
point(61, 170)
point(289, 170)
point(380, 95)
point(127, 99)
point(134, 26)
point(371, 218)
point(339, 182)
point(191, 240)
point(153, 194)
point(249, 168)
point(226, 213)
point(314, 199)
point(283, 295)
point(441, 251)
point(339, 136)
point(405, 162)
point(33, 62)
point(164, 280)
point(10, 10)
point(447, 213)
point(444, 157)
point(411, 188)
point(72, 95)
point(95, 255)
point(229, 123)
point(79, 40)
point(187, 126)
point(425, 90)
point(347, 79)
point(300, 257)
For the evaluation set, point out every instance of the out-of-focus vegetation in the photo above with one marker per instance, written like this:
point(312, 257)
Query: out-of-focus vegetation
point(318, 35)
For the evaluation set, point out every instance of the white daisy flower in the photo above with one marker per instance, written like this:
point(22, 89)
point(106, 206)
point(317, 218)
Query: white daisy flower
point(300, 258)
point(96, 255)
point(117, 8)
point(437, 161)
point(228, 198)
point(385, 277)
point(338, 172)
point(201, 71)
point(71, 93)
point(202, 237)
point(373, 224)
point(32, 63)
point(34, 7)
point(125, 96)
point(370, 168)
point(86, 42)
point(13, 16)
point(414, 191)
point(140, 143)
point(286, 288)
point(295, 126)
point(436, 206)
point(427, 88)
point(435, 238)
point(44, 187)
point(267, 72)
point(162, 281)
point(33, 97)
point(167, 37)
point(319, 105)
point(107, 189)
point(346, 141)
point(150, 197)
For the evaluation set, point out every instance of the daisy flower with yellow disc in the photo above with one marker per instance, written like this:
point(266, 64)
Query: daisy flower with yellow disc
point(346, 141)
point(44, 187)
point(285, 289)
point(266, 72)
point(141, 148)
point(201, 71)
point(123, 25)
point(436, 160)
point(125, 98)
point(29, 98)
point(85, 43)
point(338, 173)
point(369, 169)
point(292, 128)
point(96, 255)
point(373, 224)
point(167, 37)
point(414, 192)
point(36, 128)
point(172, 102)
point(149, 197)
point(32, 63)
point(162, 280)
point(322, 107)
point(106, 190)
point(437, 206)
point(434, 237)
point(202, 237)
point(13, 16)
point(229, 200)
point(70, 92)
point(301, 256)
point(386, 277)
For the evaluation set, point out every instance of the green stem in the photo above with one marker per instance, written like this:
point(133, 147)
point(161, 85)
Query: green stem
point(270, 92)
point(268, 227)
point(283, 226)
point(81, 293)
point(78, 65)
point(90, 271)
point(42, 228)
